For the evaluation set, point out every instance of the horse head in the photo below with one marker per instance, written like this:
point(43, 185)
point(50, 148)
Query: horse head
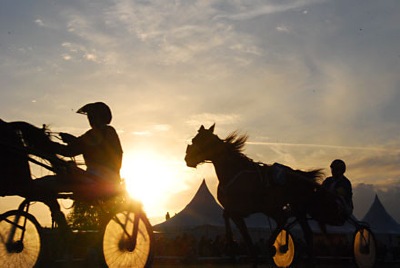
point(33, 137)
point(203, 148)
point(15, 172)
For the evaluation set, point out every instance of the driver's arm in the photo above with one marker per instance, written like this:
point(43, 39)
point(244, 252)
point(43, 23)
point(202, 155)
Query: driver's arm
point(73, 147)
point(67, 138)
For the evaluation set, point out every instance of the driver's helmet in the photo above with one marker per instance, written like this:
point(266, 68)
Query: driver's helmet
point(99, 111)
point(338, 165)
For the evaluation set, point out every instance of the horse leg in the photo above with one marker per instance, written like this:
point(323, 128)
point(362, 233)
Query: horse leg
point(229, 236)
point(308, 236)
point(280, 224)
point(241, 225)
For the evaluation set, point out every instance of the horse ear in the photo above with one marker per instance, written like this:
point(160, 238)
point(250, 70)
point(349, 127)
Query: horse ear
point(212, 128)
point(201, 128)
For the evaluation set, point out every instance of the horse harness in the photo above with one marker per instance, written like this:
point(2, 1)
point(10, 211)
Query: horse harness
point(268, 176)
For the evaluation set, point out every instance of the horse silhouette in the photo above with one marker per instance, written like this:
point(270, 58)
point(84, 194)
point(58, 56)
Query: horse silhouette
point(19, 141)
point(246, 187)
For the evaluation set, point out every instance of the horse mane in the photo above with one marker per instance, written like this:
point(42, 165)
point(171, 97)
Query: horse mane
point(236, 142)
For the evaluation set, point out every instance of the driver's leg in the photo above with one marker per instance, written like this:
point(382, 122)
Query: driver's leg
point(45, 189)
point(57, 215)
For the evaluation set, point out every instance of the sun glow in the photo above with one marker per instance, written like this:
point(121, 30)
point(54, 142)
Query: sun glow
point(152, 179)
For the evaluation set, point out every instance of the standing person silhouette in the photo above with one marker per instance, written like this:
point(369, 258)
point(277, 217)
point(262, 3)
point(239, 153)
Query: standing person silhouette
point(102, 153)
point(340, 188)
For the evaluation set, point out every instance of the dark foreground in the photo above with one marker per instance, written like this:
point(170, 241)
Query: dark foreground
point(85, 255)
point(173, 262)
point(247, 265)
point(211, 265)
point(321, 262)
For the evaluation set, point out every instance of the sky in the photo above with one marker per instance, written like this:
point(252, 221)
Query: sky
point(308, 80)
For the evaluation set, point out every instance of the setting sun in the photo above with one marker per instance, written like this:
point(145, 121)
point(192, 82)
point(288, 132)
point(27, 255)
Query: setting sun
point(150, 178)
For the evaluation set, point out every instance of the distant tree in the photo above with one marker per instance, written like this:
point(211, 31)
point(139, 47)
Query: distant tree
point(84, 216)
point(90, 216)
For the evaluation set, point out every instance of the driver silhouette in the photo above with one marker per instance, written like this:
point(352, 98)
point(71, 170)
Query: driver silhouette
point(341, 188)
point(102, 153)
point(100, 146)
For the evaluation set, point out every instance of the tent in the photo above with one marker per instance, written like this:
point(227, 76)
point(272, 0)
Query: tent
point(203, 217)
point(386, 230)
point(201, 210)
point(379, 219)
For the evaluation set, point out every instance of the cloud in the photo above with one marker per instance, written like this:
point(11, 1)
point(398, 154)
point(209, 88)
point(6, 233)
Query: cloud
point(142, 133)
point(303, 145)
point(152, 130)
point(209, 119)
point(282, 28)
point(39, 22)
point(66, 57)
point(90, 57)
point(181, 33)
point(375, 166)
point(266, 9)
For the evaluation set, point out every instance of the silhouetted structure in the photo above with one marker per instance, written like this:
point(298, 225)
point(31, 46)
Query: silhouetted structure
point(201, 210)
point(203, 213)
point(386, 229)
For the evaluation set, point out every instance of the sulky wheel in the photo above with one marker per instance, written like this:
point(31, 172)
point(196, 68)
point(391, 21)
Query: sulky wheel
point(364, 247)
point(128, 240)
point(20, 241)
point(284, 249)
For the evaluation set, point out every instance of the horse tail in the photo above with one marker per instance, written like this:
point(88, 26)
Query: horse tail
point(314, 176)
